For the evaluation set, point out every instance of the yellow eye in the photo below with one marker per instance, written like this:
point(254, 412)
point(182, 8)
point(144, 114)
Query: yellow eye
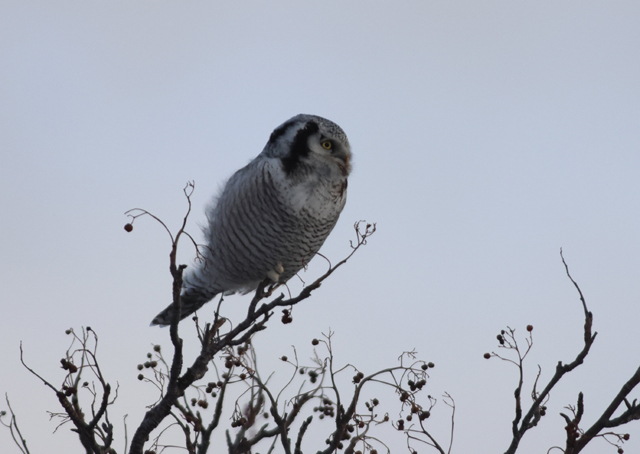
point(327, 145)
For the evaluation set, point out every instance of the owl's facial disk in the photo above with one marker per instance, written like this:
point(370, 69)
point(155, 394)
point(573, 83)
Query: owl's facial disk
point(310, 139)
point(327, 147)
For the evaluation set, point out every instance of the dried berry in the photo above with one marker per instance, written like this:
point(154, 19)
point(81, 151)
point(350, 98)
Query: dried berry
point(128, 227)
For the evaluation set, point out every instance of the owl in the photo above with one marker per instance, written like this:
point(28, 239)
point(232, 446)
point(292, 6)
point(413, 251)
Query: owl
point(273, 215)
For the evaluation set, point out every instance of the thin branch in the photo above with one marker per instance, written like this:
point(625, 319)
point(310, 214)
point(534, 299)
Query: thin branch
point(18, 439)
point(533, 414)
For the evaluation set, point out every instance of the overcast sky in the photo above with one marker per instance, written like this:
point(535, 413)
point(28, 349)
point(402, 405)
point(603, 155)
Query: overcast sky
point(486, 136)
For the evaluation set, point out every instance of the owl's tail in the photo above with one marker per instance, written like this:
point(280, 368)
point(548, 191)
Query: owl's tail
point(190, 302)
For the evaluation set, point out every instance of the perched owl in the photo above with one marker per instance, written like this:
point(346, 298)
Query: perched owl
point(273, 215)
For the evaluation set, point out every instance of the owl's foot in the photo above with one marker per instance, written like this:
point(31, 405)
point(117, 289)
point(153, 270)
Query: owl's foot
point(275, 273)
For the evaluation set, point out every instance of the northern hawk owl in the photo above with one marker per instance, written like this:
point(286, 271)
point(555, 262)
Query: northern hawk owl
point(273, 215)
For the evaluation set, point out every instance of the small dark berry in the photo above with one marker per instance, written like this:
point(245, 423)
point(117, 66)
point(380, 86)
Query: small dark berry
point(156, 348)
point(487, 355)
point(529, 328)
point(315, 342)
point(140, 376)
point(284, 358)
point(128, 227)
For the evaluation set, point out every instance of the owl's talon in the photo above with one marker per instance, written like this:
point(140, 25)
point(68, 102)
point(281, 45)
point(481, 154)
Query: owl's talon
point(275, 273)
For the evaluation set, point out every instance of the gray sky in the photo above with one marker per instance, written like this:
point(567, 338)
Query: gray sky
point(486, 135)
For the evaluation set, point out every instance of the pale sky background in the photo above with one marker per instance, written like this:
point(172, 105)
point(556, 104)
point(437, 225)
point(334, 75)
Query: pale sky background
point(486, 136)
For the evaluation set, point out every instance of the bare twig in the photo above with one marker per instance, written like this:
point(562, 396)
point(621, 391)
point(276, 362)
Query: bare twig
point(536, 410)
point(12, 425)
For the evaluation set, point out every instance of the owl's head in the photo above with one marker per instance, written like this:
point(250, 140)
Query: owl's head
point(310, 141)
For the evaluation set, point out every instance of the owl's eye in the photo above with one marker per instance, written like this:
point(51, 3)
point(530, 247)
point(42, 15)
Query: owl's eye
point(327, 145)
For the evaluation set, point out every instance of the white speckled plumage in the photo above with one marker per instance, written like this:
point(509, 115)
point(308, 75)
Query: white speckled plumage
point(273, 215)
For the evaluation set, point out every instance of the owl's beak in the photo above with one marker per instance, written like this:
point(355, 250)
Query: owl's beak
point(343, 156)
